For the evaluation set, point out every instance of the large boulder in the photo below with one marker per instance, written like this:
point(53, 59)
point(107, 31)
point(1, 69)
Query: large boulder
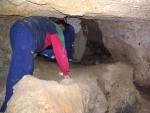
point(42, 96)
point(32, 95)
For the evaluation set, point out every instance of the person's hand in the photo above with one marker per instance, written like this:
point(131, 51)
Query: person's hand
point(61, 74)
point(64, 76)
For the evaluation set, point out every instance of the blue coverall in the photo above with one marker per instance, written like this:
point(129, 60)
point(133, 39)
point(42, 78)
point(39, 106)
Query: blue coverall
point(26, 37)
point(69, 35)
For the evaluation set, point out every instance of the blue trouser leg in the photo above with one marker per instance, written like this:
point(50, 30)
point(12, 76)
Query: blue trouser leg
point(22, 58)
point(69, 52)
point(48, 53)
point(69, 39)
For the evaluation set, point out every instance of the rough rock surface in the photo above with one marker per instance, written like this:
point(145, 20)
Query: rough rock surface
point(119, 89)
point(52, 97)
point(5, 24)
point(129, 41)
point(96, 8)
point(39, 96)
point(95, 50)
point(109, 90)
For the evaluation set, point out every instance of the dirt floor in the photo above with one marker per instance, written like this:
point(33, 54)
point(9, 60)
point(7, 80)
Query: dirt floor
point(47, 70)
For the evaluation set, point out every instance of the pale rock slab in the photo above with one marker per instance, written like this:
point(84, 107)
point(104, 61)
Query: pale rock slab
point(135, 9)
point(32, 95)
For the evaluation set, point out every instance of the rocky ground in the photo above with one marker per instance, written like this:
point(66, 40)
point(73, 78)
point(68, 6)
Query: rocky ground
point(114, 80)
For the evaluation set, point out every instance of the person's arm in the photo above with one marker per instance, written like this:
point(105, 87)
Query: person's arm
point(60, 53)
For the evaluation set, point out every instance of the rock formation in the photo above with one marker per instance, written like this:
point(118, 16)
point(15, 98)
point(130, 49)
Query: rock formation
point(119, 89)
point(110, 91)
point(32, 95)
point(129, 42)
point(138, 9)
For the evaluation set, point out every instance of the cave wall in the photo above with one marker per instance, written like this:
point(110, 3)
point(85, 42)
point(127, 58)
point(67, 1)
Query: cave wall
point(134, 33)
point(5, 24)
point(4, 47)
point(129, 41)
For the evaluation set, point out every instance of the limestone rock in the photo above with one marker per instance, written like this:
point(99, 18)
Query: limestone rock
point(137, 56)
point(32, 95)
point(49, 96)
point(110, 8)
point(106, 89)
point(119, 89)
point(2, 95)
point(95, 50)
point(129, 42)
point(93, 97)
point(115, 82)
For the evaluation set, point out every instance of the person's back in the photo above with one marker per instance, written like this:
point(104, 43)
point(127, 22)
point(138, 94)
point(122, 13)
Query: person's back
point(39, 26)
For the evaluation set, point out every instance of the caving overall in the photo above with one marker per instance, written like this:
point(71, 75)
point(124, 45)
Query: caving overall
point(28, 36)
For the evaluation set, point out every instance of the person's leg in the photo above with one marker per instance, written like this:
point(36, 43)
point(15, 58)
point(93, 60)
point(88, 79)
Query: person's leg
point(69, 53)
point(48, 53)
point(21, 64)
point(21, 60)
point(69, 40)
